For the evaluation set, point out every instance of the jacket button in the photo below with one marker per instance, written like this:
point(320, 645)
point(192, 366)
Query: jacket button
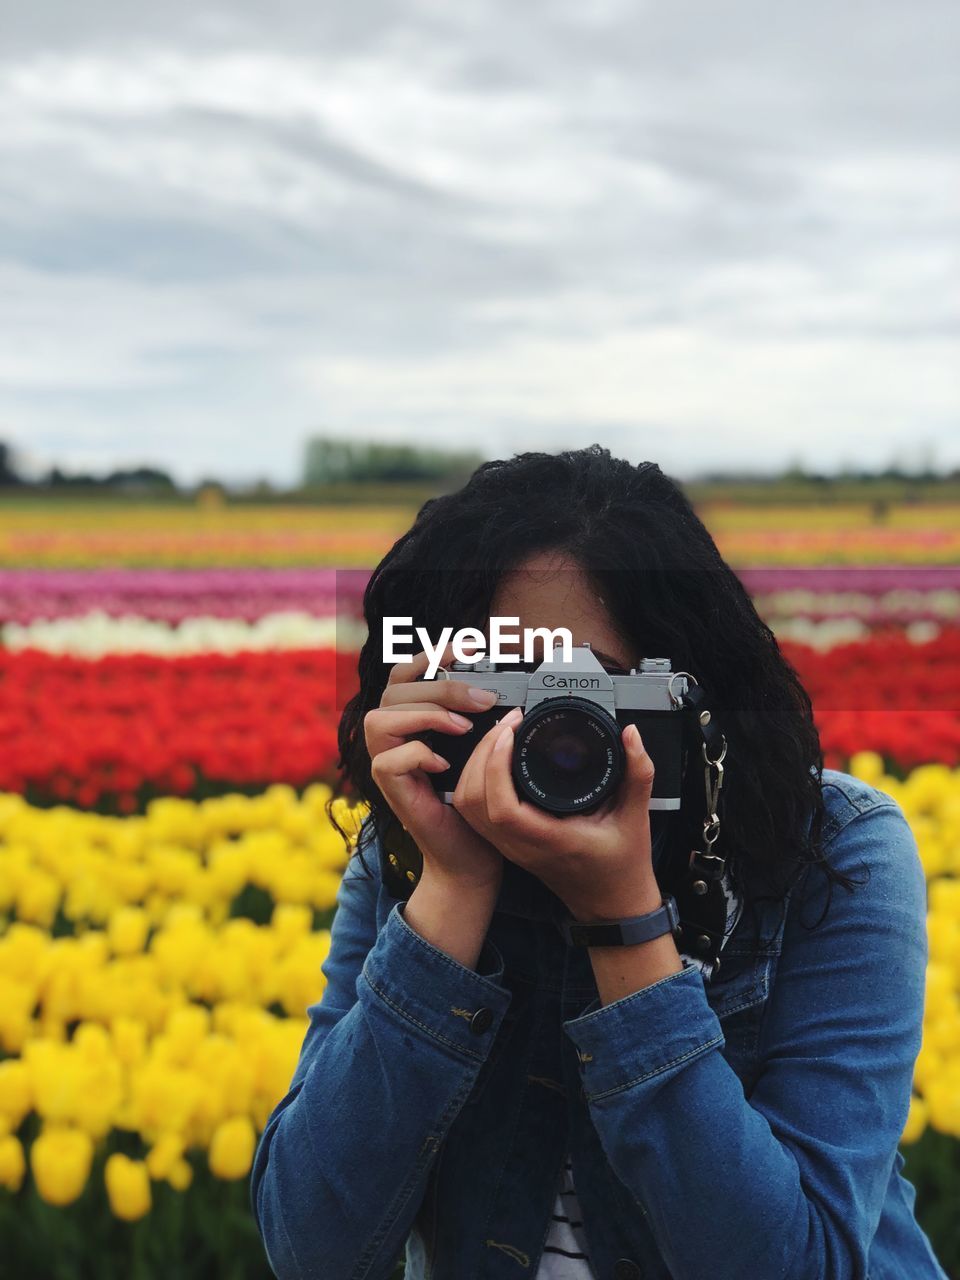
point(625, 1269)
point(480, 1022)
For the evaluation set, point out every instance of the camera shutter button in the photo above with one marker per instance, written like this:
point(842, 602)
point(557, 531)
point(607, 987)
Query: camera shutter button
point(481, 1020)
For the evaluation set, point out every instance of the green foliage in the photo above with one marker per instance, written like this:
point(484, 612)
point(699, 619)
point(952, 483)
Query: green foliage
point(205, 1233)
point(329, 461)
point(933, 1166)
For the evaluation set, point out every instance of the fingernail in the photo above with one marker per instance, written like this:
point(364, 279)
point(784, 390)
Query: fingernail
point(438, 756)
point(485, 697)
point(461, 721)
point(506, 736)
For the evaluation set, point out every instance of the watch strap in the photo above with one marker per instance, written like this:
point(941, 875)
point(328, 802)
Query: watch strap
point(624, 932)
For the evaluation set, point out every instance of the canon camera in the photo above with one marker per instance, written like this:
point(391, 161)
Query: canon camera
point(568, 756)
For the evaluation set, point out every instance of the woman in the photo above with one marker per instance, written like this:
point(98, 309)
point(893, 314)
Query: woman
point(465, 1063)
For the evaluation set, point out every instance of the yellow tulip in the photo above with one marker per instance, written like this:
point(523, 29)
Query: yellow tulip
point(929, 1064)
point(128, 930)
point(940, 987)
point(129, 1039)
point(128, 1186)
point(291, 921)
point(232, 1147)
point(60, 1160)
point(928, 785)
point(944, 1035)
point(943, 1106)
point(916, 1120)
point(92, 1042)
point(868, 766)
point(181, 1175)
point(16, 1094)
point(943, 938)
point(39, 898)
point(325, 891)
point(229, 866)
point(12, 1162)
point(186, 1028)
point(16, 1003)
point(934, 856)
point(163, 1097)
point(164, 1154)
point(944, 898)
point(295, 823)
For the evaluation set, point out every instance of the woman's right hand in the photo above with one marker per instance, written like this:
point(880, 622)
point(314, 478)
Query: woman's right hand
point(399, 766)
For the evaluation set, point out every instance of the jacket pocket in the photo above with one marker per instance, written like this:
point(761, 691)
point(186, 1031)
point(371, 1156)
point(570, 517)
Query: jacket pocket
point(742, 981)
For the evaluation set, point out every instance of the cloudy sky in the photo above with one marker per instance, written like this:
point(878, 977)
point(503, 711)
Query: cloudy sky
point(704, 234)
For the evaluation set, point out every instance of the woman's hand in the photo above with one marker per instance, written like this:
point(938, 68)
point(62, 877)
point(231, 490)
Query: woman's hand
point(599, 864)
point(400, 764)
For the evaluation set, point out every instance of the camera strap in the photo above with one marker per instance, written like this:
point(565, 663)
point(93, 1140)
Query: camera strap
point(693, 871)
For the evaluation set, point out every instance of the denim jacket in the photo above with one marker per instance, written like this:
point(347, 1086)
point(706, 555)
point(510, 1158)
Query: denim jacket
point(741, 1128)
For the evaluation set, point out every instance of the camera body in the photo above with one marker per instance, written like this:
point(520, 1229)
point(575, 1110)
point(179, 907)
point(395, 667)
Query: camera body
point(567, 753)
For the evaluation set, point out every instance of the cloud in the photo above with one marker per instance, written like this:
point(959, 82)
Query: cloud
point(727, 233)
point(732, 397)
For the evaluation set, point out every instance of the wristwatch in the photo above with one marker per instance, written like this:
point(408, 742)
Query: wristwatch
point(625, 932)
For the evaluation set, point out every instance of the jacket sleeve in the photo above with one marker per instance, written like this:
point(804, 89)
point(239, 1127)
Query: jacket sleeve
point(388, 1059)
point(791, 1183)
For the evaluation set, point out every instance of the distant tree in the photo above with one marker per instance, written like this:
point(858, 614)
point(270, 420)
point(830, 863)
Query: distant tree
point(8, 467)
point(333, 461)
point(139, 478)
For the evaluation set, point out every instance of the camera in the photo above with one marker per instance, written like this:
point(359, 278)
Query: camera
point(567, 754)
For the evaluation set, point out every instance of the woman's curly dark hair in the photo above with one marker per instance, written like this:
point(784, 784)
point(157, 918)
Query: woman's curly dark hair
point(665, 585)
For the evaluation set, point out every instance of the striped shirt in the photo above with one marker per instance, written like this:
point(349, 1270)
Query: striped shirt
point(565, 1255)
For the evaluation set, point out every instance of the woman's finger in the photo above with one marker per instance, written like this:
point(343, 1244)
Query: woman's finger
point(389, 765)
point(637, 785)
point(454, 694)
point(387, 727)
point(402, 774)
point(395, 772)
point(504, 807)
point(469, 793)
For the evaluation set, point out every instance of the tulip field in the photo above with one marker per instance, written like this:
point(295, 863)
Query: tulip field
point(170, 679)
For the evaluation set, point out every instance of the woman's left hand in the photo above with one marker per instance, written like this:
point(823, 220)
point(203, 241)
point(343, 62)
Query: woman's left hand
point(600, 864)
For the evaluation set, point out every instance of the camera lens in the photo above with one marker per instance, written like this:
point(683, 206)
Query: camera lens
point(567, 755)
